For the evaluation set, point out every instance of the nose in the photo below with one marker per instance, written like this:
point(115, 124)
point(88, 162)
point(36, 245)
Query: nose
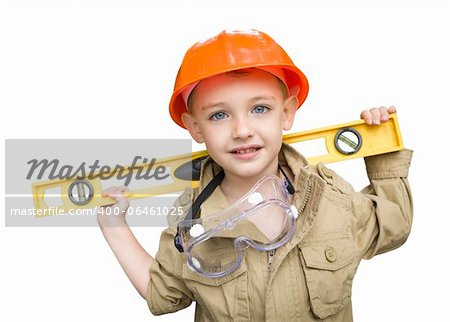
point(242, 128)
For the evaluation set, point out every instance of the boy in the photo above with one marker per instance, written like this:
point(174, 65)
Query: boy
point(237, 92)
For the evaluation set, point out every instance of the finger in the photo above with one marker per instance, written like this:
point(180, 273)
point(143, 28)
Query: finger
point(121, 191)
point(375, 115)
point(117, 195)
point(366, 116)
point(112, 191)
point(121, 201)
point(107, 191)
point(384, 115)
point(392, 109)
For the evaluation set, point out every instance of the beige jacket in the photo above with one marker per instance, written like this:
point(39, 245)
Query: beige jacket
point(309, 278)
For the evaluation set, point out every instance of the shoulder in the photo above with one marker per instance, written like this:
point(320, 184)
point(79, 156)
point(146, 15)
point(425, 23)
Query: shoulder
point(333, 180)
point(181, 206)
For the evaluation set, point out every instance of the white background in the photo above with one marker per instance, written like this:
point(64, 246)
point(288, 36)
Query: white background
point(105, 69)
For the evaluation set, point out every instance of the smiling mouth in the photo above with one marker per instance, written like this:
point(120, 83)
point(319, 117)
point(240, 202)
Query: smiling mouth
point(245, 150)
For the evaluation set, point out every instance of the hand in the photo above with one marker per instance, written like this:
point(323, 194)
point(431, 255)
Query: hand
point(114, 214)
point(376, 115)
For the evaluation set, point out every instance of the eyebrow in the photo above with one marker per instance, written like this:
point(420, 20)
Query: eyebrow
point(262, 98)
point(218, 104)
point(253, 99)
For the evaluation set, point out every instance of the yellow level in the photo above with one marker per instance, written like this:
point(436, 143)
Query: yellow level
point(343, 141)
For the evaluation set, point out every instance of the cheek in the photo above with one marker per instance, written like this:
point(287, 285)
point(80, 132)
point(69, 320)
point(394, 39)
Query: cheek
point(214, 137)
point(273, 136)
point(274, 133)
point(273, 125)
point(215, 129)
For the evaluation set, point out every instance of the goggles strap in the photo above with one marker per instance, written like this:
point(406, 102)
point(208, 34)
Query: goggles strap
point(209, 189)
point(289, 185)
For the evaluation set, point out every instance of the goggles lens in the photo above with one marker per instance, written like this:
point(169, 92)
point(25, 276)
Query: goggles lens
point(262, 219)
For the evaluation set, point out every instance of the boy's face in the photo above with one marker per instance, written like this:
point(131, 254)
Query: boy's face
point(241, 118)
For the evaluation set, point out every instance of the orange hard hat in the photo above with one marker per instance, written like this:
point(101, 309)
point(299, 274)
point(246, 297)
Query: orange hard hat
point(233, 50)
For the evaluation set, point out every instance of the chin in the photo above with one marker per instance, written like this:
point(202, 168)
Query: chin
point(249, 171)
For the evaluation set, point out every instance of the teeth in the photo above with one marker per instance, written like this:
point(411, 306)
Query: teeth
point(245, 151)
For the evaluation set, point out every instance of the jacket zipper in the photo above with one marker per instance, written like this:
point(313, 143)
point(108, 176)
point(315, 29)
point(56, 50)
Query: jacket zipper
point(305, 200)
point(270, 255)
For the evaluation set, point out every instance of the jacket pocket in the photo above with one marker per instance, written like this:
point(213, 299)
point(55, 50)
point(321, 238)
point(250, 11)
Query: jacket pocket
point(329, 267)
point(221, 299)
point(192, 276)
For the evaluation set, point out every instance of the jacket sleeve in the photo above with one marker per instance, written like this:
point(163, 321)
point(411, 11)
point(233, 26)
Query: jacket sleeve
point(167, 291)
point(383, 211)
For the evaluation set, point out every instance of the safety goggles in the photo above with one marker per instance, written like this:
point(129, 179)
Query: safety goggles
point(263, 219)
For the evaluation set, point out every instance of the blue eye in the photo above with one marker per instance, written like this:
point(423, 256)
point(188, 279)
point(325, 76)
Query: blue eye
point(260, 109)
point(218, 116)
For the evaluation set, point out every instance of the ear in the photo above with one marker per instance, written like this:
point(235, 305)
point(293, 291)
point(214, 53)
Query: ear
point(191, 124)
point(289, 109)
